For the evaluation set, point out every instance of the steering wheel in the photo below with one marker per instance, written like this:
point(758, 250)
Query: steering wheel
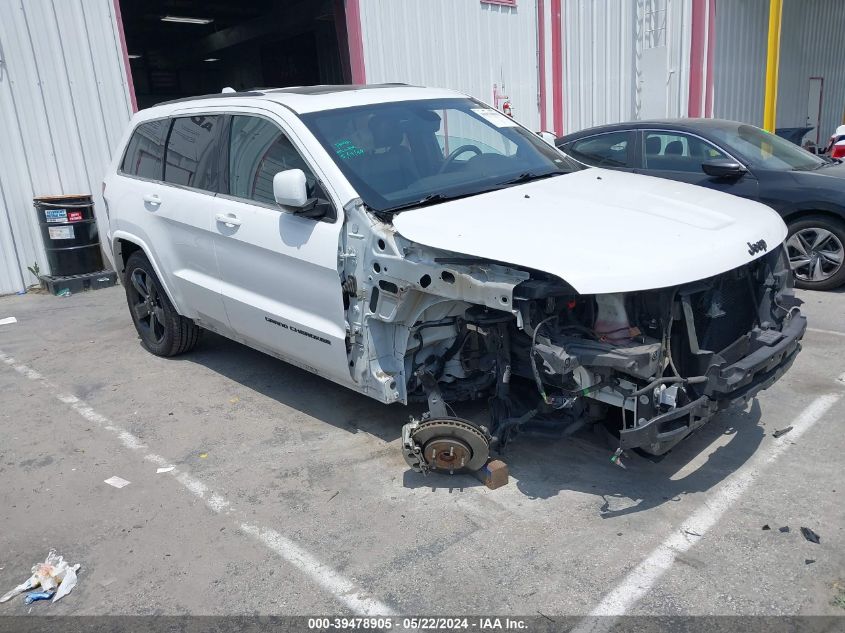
point(453, 155)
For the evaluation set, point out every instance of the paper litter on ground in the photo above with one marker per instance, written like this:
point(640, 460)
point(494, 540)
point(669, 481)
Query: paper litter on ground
point(117, 482)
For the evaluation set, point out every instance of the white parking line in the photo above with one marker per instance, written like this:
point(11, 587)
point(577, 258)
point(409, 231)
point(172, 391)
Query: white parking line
point(820, 331)
point(342, 589)
point(639, 581)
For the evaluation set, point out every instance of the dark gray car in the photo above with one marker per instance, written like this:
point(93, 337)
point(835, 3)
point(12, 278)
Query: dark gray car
point(808, 191)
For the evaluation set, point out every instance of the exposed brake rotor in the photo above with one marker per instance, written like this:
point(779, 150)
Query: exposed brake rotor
point(445, 445)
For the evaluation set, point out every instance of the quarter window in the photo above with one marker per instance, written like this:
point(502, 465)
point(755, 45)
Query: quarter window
point(676, 151)
point(258, 150)
point(144, 153)
point(604, 150)
point(193, 152)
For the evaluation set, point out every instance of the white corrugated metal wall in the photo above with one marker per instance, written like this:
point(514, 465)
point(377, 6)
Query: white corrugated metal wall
point(599, 52)
point(811, 31)
point(740, 60)
point(623, 61)
point(809, 37)
point(465, 45)
point(64, 102)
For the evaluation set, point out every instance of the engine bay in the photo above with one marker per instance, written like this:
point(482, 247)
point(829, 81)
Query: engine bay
point(651, 365)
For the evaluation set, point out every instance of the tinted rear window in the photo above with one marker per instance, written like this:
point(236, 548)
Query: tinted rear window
point(193, 152)
point(146, 149)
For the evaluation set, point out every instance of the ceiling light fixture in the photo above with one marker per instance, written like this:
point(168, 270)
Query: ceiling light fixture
point(183, 20)
point(133, 56)
point(212, 59)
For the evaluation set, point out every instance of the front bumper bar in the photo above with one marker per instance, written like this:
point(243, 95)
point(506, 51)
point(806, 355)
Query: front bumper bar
point(726, 386)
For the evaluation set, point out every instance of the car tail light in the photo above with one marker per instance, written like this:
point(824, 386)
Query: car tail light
point(838, 150)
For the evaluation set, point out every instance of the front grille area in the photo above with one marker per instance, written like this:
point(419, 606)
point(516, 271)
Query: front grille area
point(726, 311)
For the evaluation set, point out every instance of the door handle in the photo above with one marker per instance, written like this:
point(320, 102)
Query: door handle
point(153, 199)
point(229, 219)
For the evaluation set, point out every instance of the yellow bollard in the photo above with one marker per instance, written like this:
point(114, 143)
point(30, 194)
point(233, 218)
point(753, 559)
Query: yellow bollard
point(772, 61)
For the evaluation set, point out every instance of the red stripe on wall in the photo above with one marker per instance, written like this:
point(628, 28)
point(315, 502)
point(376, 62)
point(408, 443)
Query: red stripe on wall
point(356, 42)
point(131, 84)
point(557, 67)
point(711, 48)
point(541, 48)
point(696, 63)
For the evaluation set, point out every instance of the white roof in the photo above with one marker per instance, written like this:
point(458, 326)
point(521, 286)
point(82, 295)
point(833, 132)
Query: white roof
point(316, 98)
point(307, 99)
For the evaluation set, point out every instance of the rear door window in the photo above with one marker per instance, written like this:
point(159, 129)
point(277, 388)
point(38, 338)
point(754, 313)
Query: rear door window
point(145, 151)
point(193, 152)
point(676, 151)
point(604, 150)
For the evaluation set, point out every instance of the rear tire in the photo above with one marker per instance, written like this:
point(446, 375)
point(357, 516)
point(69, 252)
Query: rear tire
point(814, 245)
point(162, 330)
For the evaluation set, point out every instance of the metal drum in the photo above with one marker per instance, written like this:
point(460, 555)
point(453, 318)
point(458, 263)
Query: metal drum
point(69, 231)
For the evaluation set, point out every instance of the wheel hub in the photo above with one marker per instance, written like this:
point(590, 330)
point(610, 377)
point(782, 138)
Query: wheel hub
point(445, 445)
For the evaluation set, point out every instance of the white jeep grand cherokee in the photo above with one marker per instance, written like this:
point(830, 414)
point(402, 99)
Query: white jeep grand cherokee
point(415, 244)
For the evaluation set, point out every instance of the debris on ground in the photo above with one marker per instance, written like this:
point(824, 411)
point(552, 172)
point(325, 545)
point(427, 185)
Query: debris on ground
point(117, 482)
point(37, 595)
point(780, 432)
point(810, 535)
point(616, 458)
point(53, 573)
point(809, 561)
point(766, 527)
point(839, 598)
point(166, 469)
point(692, 533)
point(494, 474)
point(8, 321)
point(64, 292)
point(203, 455)
point(784, 529)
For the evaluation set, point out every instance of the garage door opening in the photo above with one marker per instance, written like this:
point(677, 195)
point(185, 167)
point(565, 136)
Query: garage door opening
point(180, 48)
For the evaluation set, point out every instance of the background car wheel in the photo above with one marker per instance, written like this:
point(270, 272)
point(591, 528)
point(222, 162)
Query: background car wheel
point(816, 249)
point(163, 331)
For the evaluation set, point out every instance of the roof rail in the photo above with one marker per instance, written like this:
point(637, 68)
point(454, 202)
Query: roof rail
point(216, 95)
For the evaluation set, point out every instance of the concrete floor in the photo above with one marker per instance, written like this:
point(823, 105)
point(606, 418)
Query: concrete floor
point(290, 495)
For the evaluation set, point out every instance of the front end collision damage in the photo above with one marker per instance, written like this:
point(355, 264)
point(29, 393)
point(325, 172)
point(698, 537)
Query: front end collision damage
point(425, 325)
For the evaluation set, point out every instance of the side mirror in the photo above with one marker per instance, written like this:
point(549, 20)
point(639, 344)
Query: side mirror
point(289, 189)
point(723, 168)
point(548, 137)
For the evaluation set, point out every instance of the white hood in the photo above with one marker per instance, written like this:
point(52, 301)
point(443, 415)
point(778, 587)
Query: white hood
point(602, 231)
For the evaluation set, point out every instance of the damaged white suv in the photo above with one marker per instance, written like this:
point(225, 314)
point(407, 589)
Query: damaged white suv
point(414, 244)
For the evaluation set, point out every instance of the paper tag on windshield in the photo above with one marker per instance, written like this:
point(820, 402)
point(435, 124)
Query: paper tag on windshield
point(495, 117)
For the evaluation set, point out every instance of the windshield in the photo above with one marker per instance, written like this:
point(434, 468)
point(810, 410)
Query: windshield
point(405, 153)
point(762, 149)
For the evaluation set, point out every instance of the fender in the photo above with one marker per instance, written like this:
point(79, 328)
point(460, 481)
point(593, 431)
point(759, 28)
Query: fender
point(803, 208)
point(118, 261)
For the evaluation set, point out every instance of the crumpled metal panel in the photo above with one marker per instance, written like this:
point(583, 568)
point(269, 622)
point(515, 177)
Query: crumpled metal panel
point(64, 102)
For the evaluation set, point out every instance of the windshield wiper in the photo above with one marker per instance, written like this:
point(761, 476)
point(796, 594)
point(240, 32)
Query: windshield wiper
point(437, 198)
point(528, 177)
point(434, 198)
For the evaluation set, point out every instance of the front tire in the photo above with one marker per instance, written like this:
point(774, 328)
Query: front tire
point(816, 249)
point(162, 330)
